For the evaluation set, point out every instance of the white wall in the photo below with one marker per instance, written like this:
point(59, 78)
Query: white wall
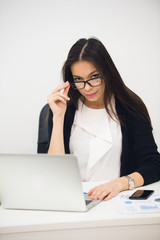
point(35, 36)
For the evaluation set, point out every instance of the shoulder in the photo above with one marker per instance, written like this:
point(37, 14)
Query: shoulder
point(131, 121)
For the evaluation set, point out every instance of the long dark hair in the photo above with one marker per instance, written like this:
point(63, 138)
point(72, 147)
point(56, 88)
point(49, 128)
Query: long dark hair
point(93, 51)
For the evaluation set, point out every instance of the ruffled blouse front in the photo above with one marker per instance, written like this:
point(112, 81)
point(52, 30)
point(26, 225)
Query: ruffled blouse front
point(96, 141)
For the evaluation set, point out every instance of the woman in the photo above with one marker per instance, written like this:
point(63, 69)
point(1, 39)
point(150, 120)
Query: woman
point(94, 116)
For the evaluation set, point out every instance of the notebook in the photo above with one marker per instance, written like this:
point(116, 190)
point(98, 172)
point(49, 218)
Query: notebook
point(42, 182)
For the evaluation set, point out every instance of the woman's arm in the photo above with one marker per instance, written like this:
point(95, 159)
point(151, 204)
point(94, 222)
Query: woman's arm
point(147, 157)
point(56, 145)
point(58, 102)
point(112, 188)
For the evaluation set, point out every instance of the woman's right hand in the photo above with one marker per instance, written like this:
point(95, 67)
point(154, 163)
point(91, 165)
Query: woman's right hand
point(58, 100)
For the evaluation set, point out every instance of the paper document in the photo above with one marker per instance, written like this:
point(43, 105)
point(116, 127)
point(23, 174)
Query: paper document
point(125, 205)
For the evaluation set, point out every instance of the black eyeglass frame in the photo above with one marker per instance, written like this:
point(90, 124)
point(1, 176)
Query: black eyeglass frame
point(86, 82)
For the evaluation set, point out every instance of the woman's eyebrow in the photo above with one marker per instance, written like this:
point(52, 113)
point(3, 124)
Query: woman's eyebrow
point(77, 76)
point(95, 71)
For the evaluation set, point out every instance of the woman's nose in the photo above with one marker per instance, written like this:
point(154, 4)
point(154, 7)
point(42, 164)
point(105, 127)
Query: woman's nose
point(87, 87)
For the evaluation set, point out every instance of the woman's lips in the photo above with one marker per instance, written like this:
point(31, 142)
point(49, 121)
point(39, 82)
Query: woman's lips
point(90, 95)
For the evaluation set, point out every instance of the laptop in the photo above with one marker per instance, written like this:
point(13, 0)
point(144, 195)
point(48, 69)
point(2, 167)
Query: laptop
point(42, 182)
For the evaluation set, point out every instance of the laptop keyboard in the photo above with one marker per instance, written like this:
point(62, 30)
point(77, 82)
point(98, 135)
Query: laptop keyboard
point(88, 201)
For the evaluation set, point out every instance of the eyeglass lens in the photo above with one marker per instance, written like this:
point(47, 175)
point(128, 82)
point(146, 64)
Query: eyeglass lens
point(92, 82)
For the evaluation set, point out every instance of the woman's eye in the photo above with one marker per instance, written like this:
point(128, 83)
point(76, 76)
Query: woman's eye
point(77, 79)
point(95, 76)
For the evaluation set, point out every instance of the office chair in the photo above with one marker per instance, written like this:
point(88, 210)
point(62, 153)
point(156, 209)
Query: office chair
point(46, 125)
point(45, 122)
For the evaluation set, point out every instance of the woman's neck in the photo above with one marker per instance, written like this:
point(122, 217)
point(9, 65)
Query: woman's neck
point(94, 105)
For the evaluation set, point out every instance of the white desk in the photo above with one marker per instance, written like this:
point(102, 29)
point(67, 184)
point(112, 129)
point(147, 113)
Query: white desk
point(101, 222)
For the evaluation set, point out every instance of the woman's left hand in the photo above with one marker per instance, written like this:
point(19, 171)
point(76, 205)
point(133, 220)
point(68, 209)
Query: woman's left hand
point(106, 191)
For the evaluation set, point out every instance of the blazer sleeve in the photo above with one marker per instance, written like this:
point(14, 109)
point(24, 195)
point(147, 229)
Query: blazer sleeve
point(145, 149)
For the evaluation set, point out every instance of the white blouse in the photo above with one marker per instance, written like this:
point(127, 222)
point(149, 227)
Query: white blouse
point(96, 140)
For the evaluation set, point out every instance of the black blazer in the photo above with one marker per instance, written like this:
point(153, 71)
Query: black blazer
point(139, 150)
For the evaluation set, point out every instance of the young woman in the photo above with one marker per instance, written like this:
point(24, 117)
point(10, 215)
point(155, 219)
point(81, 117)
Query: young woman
point(96, 117)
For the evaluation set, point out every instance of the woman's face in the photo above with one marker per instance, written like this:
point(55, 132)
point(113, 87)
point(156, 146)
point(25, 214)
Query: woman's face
point(93, 96)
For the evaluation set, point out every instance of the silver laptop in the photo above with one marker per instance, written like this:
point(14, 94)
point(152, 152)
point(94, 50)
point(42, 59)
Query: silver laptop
point(42, 182)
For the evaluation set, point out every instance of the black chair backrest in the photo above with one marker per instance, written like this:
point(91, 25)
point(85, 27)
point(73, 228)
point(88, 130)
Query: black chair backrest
point(43, 133)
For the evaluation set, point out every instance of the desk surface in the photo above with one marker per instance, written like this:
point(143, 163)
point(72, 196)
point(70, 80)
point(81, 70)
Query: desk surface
point(104, 215)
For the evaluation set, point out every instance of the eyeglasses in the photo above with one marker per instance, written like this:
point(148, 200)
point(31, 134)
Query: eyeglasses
point(94, 82)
